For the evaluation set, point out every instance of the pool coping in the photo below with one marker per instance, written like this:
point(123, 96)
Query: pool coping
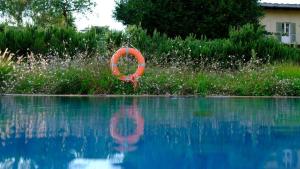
point(104, 95)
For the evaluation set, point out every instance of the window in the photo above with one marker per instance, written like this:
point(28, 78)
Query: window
point(286, 32)
point(286, 29)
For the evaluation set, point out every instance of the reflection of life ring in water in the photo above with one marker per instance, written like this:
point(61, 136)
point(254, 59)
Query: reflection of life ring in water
point(139, 121)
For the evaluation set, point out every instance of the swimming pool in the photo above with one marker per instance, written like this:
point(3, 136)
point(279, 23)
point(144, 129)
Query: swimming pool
point(149, 133)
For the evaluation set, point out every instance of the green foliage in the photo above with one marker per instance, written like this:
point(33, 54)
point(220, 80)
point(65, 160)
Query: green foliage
point(288, 71)
point(58, 12)
point(90, 77)
point(15, 9)
point(244, 45)
point(239, 49)
point(43, 12)
point(50, 41)
point(181, 17)
point(6, 69)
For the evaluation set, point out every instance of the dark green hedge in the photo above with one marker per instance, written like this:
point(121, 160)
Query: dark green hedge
point(243, 45)
point(50, 41)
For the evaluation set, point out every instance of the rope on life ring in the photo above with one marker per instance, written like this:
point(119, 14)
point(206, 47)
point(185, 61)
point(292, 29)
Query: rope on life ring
point(133, 78)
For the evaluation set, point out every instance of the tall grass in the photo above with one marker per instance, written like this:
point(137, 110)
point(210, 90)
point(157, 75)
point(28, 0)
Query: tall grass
point(6, 70)
point(92, 76)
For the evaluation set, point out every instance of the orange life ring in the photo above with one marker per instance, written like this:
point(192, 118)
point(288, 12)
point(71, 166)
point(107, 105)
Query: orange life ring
point(138, 56)
point(139, 131)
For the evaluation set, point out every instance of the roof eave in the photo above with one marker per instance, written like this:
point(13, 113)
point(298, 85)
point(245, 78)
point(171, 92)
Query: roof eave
point(280, 6)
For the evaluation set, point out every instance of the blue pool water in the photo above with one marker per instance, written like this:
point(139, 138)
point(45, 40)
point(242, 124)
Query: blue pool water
point(149, 133)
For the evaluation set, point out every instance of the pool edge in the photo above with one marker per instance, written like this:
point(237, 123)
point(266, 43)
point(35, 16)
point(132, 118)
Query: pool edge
point(103, 95)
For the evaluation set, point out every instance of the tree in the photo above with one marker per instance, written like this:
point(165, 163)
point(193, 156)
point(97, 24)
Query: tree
point(59, 12)
point(45, 12)
point(15, 9)
point(211, 18)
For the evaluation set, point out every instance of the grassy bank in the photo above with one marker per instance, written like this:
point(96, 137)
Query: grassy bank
point(247, 63)
point(93, 76)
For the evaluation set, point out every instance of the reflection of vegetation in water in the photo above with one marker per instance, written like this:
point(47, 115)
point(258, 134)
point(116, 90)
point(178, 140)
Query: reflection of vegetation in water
point(3, 125)
point(202, 114)
point(3, 117)
point(57, 116)
point(275, 112)
point(65, 116)
point(288, 119)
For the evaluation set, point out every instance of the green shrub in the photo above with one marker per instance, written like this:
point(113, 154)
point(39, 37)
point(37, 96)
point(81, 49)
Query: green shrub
point(50, 41)
point(6, 70)
point(244, 45)
point(240, 48)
